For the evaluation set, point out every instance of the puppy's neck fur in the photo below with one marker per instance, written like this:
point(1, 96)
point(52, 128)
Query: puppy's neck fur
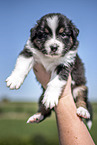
point(50, 63)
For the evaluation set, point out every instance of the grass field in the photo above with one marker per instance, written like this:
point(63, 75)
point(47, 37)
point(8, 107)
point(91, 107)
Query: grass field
point(15, 131)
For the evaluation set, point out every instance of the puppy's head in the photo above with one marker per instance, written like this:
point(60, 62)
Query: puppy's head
point(54, 35)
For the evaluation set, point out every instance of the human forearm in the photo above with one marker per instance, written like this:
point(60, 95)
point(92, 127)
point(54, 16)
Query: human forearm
point(71, 128)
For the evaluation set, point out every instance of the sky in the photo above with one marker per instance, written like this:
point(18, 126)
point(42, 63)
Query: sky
point(17, 17)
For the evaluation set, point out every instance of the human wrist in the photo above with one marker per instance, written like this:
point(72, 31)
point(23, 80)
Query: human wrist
point(65, 104)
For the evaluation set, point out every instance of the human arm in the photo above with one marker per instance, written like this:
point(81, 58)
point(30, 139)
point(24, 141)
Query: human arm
point(71, 128)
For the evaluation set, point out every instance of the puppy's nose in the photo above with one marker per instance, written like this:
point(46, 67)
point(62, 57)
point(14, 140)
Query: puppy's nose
point(54, 47)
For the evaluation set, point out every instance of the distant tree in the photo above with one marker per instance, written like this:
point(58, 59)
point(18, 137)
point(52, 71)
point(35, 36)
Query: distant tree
point(5, 99)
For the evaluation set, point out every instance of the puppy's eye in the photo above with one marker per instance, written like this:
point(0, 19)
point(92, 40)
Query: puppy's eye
point(40, 35)
point(63, 35)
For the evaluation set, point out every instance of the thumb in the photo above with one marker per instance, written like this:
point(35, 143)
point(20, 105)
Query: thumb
point(67, 90)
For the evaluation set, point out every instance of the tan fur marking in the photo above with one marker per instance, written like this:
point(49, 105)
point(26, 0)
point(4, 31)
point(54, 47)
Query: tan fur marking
point(46, 30)
point(80, 96)
point(61, 30)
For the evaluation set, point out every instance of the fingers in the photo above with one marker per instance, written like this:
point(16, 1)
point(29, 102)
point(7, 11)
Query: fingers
point(42, 76)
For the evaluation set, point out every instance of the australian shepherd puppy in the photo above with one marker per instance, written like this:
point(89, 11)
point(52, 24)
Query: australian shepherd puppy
point(53, 43)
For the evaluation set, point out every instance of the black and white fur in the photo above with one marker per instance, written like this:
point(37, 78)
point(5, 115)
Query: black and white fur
point(53, 43)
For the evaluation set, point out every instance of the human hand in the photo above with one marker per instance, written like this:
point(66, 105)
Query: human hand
point(66, 99)
point(43, 77)
point(41, 74)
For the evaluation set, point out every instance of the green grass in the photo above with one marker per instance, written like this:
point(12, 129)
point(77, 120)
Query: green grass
point(15, 131)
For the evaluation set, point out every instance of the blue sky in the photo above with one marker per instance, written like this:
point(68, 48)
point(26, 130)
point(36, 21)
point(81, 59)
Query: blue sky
point(16, 19)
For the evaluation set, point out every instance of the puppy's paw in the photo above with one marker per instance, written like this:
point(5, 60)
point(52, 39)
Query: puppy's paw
point(53, 92)
point(82, 112)
point(36, 118)
point(50, 100)
point(14, 81)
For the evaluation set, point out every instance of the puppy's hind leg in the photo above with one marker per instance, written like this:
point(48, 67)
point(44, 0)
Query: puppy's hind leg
point(89, 120)
point(80, 96)
point(41, 114)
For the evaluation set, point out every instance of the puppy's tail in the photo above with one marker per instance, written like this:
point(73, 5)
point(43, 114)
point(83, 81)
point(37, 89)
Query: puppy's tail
point(89, 121)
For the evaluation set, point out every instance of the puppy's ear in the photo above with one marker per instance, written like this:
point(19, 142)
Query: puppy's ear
point(34, 30)
point(74, 30)
point(33, 33)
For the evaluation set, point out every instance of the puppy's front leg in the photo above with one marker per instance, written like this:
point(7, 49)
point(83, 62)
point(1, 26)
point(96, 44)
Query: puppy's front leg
point(23, 65)
point(53, 91)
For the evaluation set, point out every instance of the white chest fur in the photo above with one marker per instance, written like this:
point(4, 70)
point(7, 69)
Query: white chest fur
point(50, 63)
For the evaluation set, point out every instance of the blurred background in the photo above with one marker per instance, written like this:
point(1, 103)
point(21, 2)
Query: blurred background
point(17, 17)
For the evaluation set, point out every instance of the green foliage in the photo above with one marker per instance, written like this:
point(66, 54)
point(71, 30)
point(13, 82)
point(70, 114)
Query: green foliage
point(15, 131)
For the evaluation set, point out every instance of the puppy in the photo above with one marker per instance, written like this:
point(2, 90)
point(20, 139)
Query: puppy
point(53, 43)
